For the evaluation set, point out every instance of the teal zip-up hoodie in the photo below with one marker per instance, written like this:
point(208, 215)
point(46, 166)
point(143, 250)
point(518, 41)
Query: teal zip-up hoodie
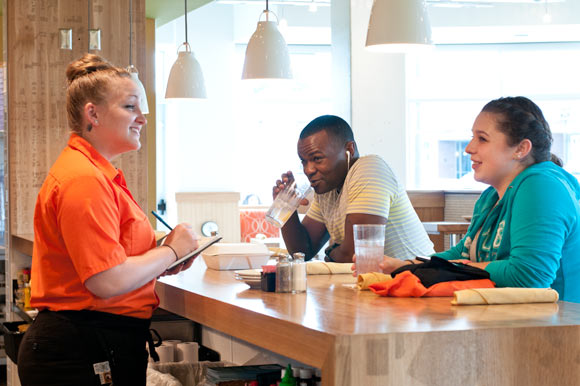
point(532, 236)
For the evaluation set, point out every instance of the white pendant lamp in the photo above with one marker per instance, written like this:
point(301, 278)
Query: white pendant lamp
point(132, 69)
point(267, 54)
point(399, 26)
point(185, 78)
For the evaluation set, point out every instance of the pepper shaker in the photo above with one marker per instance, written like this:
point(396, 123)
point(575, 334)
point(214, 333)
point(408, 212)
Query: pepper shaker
point(284, 274)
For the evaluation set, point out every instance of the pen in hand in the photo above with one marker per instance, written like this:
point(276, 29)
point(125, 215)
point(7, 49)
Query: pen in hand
point(154, 213)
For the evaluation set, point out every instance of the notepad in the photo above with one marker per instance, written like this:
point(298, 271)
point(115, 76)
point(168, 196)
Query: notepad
point(205, 243)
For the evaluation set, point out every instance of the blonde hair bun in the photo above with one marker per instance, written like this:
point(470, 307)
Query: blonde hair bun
point(90, 79)
point(85, 65)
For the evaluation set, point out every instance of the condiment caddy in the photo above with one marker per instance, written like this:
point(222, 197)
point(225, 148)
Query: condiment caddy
point(287, 276)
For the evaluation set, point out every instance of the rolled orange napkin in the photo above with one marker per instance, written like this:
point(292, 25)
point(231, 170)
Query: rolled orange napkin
point(504, 296)
point(406, 284)
point(364, 280)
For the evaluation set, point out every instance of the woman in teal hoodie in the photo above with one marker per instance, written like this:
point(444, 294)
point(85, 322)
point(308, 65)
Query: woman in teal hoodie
point(525, 229)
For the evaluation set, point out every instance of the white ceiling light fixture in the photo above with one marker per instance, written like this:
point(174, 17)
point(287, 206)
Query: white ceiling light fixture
point(186, 78)
point(132, 69)
point(267, 54)
point(399, 26)
point(312, 7)
point(547, 17)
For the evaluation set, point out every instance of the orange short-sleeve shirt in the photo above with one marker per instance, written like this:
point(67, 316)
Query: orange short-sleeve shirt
point(85, 222)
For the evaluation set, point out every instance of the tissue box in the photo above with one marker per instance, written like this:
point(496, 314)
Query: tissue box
point(225, 256)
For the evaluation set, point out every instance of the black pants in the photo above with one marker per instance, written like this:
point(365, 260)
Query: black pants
point(62, 348)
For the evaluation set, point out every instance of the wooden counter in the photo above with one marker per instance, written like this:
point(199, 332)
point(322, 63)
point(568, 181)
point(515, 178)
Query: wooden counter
point(359, 338)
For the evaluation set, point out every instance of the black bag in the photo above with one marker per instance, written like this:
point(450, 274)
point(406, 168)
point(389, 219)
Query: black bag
point(438, 270)
point(12, 339)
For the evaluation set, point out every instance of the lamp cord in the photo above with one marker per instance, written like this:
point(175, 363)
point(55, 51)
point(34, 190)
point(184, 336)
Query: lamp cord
point(186, 43)
point(130, 32)
point(267, 6)
point(89, 29)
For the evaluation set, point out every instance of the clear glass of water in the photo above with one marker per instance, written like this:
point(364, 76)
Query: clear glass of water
point(369, 244)
point(287, 201)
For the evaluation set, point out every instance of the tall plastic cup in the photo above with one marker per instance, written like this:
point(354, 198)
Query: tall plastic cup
point(286, 202)
point(369, 244)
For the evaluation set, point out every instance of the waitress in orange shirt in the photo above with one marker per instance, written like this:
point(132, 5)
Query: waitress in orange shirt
point(95, 259)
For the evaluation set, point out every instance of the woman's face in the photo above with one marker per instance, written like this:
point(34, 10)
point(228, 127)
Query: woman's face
point(120, 120)
point(493, 160)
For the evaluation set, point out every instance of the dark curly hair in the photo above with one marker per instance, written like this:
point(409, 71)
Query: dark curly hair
point(519, 118)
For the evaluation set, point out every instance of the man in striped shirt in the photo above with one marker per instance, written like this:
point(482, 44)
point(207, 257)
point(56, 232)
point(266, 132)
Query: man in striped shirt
point(349, 190)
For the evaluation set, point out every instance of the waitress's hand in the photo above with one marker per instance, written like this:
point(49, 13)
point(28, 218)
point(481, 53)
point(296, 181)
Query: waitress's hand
point(183, 240)
point(389, 264)
point(181, 267)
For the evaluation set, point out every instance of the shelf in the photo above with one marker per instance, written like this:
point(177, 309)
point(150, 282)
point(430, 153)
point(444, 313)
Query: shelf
point(23, 314)
point(23, 243)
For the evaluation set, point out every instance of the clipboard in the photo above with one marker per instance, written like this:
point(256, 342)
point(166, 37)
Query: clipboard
point(206, 242)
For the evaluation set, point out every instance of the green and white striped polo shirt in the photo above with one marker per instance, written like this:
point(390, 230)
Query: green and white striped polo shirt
point(371, 187)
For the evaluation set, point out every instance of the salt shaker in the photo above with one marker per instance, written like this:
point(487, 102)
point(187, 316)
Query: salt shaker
point(284, 274)
point(298, 273)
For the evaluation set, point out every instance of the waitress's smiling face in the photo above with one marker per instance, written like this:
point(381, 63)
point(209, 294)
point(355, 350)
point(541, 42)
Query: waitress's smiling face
point(324, 161)
point(120, 119)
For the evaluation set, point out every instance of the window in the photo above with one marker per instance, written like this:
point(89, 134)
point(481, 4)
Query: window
point(244, 135)
point(446, 92)
point(268, 119)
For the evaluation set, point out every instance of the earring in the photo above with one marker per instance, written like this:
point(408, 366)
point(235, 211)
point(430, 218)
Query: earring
point(96, 122)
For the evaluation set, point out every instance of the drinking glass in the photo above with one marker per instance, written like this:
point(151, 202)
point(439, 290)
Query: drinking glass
point(287, 201)
point(369, 244)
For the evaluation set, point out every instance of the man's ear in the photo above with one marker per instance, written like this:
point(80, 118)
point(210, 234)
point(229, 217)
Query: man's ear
point(351, 148)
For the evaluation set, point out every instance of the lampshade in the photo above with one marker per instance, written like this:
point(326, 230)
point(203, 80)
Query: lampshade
point(267, 54)
point(398, 26)
point(185, 78)
point(132, 69)
point(142, 95)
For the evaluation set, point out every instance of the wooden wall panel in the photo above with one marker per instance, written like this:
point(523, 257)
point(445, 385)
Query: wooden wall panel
point(112, 17)
point(37, 123)
point(149, 83)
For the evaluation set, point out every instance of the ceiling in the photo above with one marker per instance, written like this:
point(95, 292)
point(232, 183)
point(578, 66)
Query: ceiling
point(164, 11)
